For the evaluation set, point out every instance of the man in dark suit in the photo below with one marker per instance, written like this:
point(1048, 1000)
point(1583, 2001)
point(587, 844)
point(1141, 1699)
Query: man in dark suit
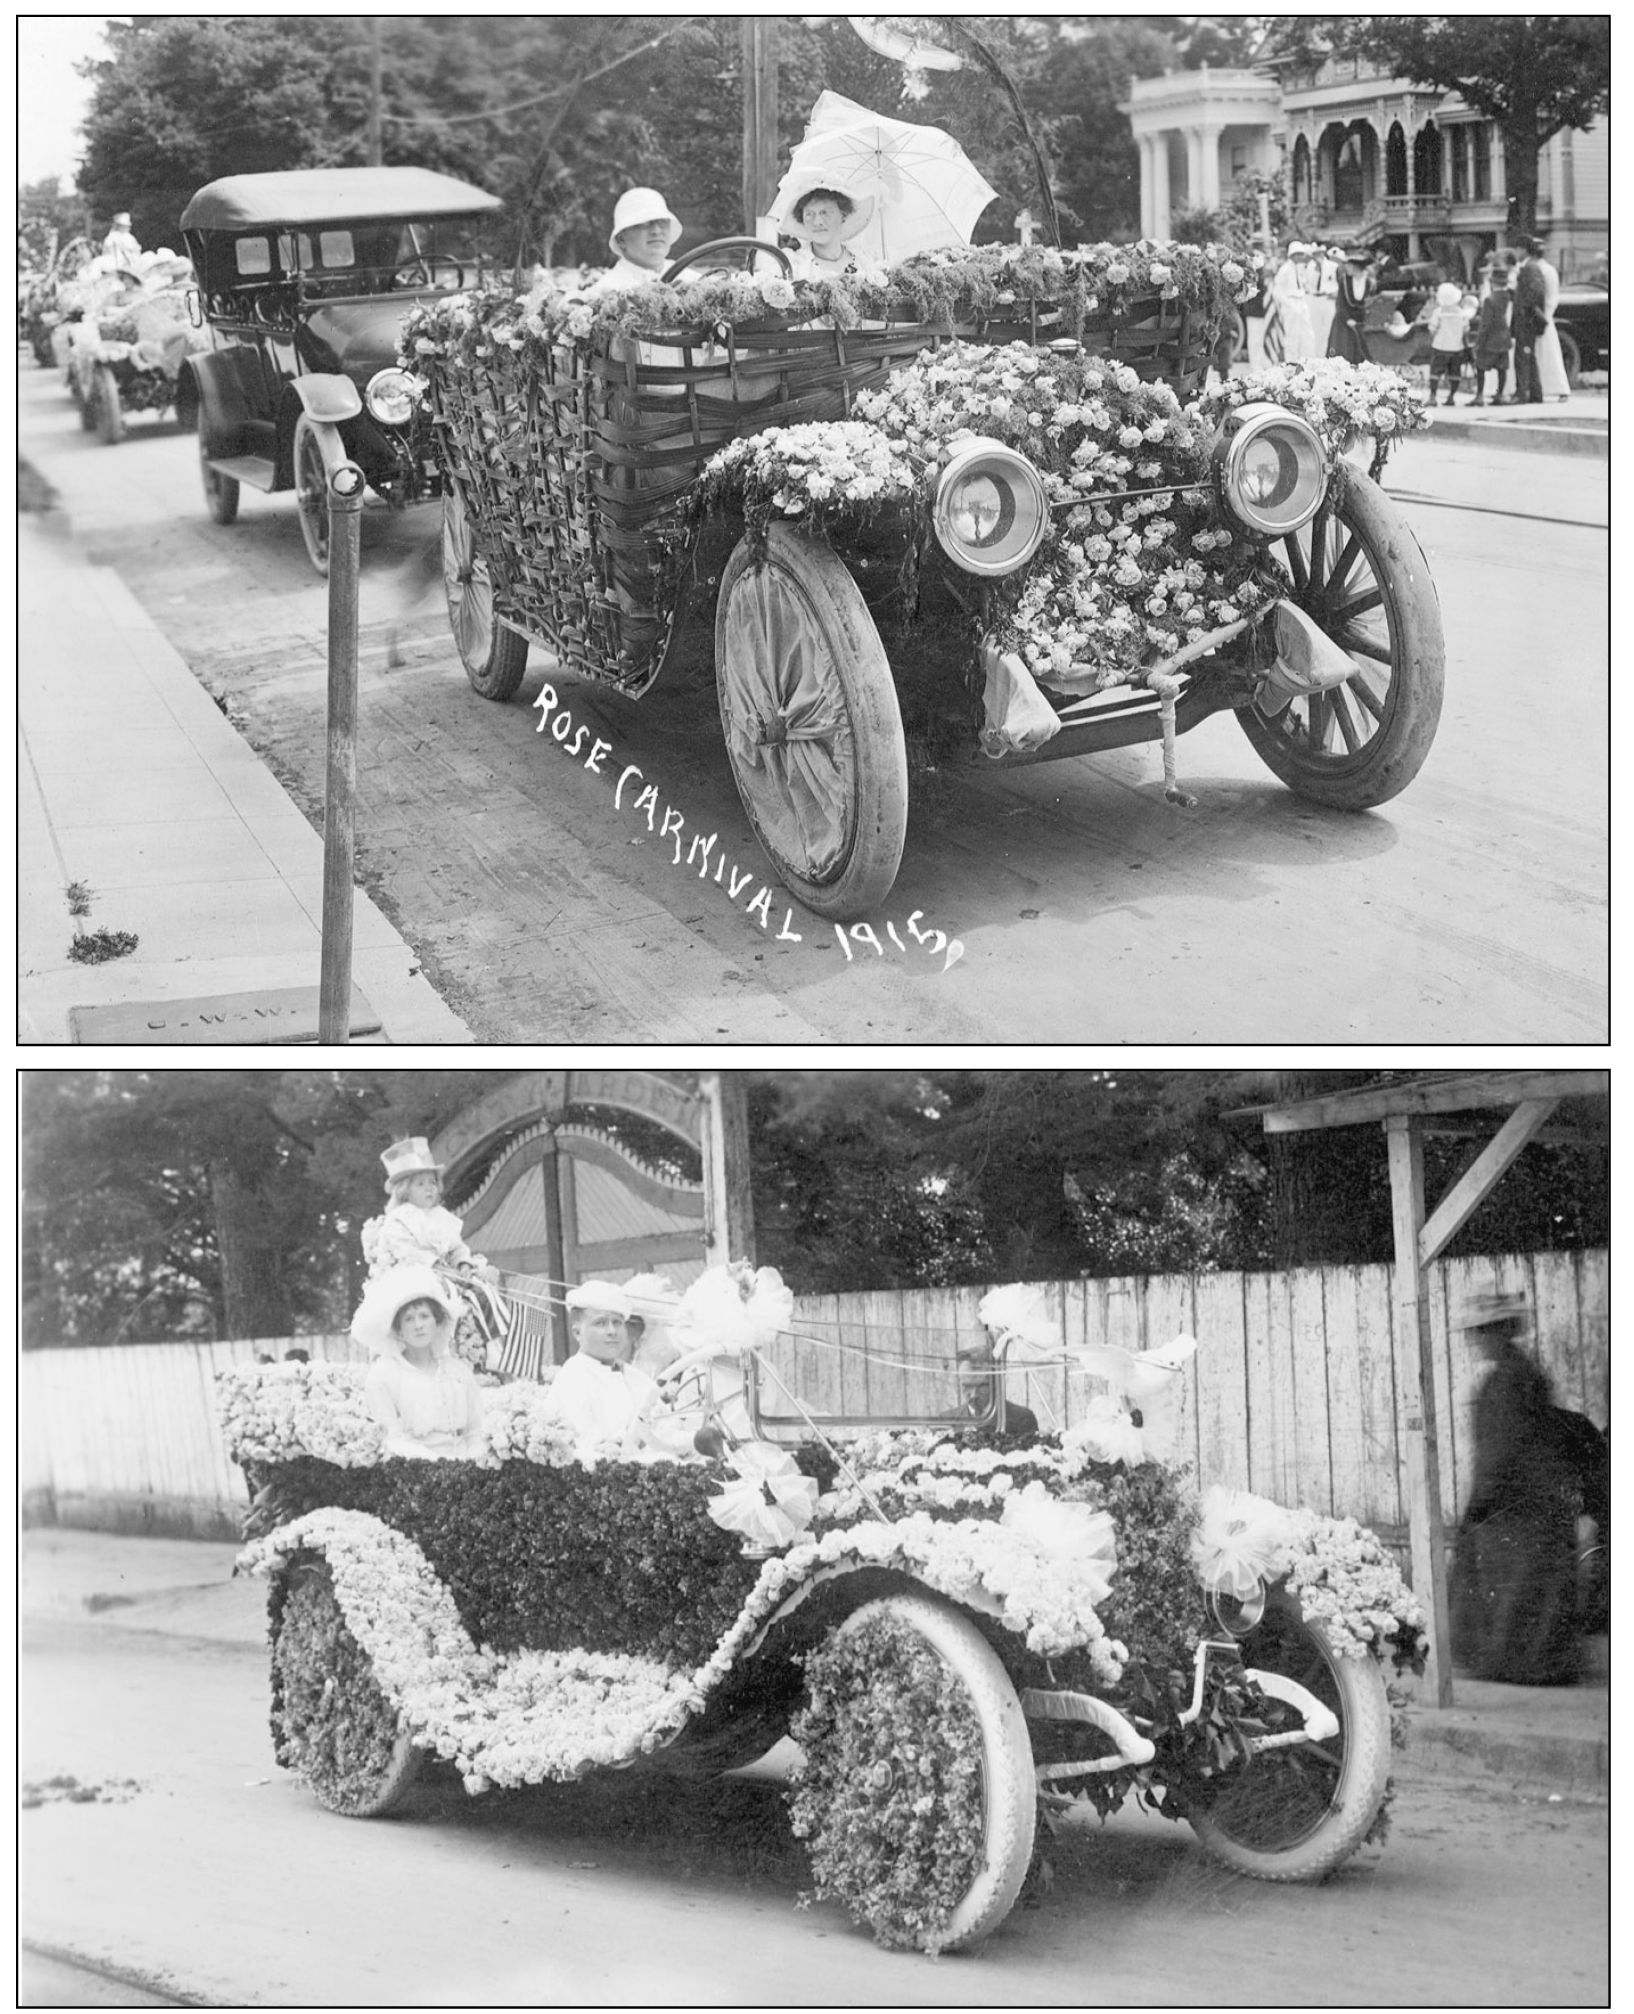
point(1530, 320)
point(980, 1372)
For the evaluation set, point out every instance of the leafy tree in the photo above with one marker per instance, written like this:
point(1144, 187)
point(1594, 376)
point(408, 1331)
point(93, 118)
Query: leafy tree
point(1084, 72)
point(1535, 75)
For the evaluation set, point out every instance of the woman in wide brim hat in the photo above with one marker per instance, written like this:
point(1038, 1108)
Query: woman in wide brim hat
point(1345, 338)
point(825, 219)
point(425, 1396)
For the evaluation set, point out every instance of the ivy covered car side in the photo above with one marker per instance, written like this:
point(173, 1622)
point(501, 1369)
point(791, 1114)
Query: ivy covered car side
point(957, 1630)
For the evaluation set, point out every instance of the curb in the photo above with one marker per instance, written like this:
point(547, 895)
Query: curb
point(1452, 1746)
point(1517, 435)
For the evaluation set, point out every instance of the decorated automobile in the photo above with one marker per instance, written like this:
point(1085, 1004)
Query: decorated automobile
point(978, 503)
point(305, 278)
point(125, 335)
point(961, 1626)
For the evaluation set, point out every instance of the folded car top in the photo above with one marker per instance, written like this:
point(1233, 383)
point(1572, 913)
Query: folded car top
point(331, 195)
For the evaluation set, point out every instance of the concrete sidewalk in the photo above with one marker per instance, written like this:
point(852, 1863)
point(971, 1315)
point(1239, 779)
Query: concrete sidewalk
point(1579, 424)
point(1539, 1740)
point(134, 785)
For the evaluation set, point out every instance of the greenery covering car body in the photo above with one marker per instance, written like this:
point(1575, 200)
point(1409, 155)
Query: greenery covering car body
point(305, 278)
point(537, 1615)
point(978, 502)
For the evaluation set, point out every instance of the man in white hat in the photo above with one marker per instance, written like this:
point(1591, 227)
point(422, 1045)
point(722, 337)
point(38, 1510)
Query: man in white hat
point(598, 1393)
point(643, 231)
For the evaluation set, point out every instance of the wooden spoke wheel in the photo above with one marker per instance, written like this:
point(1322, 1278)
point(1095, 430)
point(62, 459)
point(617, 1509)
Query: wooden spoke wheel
point(319, 451)
point(1359, 573)
point(1296, 1813)
point(813, 729)
point(495, 658)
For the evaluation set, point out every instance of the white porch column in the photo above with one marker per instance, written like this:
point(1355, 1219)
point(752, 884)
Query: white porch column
point(1209, 197)
point(1194, 166)
point(1160, 185)
point(1147, 149)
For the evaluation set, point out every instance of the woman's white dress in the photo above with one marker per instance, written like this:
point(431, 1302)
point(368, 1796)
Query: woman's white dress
point(1293, 311)
point(435, 1412)
point(1552, 380)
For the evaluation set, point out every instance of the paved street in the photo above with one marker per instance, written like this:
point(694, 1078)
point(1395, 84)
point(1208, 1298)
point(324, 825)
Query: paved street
point(202, 1871)
point(1470, 909)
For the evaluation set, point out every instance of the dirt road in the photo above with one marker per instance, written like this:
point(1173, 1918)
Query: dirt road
point(199, 1868)
point(1087, 909)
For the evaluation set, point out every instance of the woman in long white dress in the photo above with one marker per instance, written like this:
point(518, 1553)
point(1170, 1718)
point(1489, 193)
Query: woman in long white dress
point(1292, 306)
point(1552, 379)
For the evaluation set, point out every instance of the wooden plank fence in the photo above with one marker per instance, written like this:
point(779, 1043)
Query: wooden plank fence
point(1293, 1391)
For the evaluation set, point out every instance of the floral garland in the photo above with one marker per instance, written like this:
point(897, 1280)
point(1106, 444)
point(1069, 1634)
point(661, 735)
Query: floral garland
point(816, 475)
point(527, 1716)
point(978, 283)
point(1343, 401)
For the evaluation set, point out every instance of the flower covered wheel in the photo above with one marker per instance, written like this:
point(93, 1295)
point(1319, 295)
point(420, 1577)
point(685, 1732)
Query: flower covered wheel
point(1296, 1813)
point(319, 451)
point(917, 1798)
point(495, 658)
point(812, 725)
point(331, 1723)
point(1360, 574)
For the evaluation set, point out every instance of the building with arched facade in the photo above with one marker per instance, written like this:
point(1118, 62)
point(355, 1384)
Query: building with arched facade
point(1367, 157)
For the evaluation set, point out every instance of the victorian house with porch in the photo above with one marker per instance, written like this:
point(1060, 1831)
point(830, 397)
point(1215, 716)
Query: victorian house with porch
point(1367, 157)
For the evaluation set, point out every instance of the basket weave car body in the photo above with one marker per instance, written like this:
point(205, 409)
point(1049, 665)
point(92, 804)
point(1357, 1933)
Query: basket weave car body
point(573, 470)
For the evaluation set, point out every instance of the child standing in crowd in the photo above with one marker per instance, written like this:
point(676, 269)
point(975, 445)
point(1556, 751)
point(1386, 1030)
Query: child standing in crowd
point(1492, 337)
point(1448, 325)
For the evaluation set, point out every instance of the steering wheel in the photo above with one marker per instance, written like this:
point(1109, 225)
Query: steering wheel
point(412, 273)
point(729, 245)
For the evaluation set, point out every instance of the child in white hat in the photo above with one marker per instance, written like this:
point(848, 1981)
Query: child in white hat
point(415, 1229)
point(1448, 321)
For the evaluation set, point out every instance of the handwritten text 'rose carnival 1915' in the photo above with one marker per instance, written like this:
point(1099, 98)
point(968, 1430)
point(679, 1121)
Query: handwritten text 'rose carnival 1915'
point(632, 791)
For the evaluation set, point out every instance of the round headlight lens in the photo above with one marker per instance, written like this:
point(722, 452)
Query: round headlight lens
point(391, 397)
point(1273, 474)
point(990, 513)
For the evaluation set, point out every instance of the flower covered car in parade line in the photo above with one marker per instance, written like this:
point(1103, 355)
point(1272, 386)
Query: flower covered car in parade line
point(959, 1630)
point(124, 337)
point(305, 278)
point(975, 501)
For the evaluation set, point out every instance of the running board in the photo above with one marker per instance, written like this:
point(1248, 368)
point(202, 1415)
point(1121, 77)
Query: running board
point(256, 470)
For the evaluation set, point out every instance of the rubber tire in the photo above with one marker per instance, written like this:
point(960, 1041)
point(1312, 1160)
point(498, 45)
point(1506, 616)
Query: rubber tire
point(1395, 753)
point(1011, 1790)
point(110, 415)
point(85, 400)
point(220, 492)
point(1571, 357)
point(1357, 1695)
point(318, 451)
point(407, 1761)
point(867, 870)
point(495, 658)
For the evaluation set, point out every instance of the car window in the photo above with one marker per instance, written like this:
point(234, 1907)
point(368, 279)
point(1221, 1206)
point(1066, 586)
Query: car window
point(253, 255)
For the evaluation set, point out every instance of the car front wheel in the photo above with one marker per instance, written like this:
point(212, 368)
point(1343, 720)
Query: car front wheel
point(495, 658)
point(1359, 573)
point(319, 451)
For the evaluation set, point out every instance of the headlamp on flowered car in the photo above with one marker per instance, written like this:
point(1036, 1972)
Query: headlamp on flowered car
point(989, 511)
point(392, 396)
point(1270, 467)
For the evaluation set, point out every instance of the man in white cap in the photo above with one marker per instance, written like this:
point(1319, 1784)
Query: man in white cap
point(598, 1393)
point(643, 231)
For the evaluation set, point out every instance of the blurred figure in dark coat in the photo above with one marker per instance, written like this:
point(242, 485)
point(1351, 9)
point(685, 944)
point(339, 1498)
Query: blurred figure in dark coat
point(1514, 1595)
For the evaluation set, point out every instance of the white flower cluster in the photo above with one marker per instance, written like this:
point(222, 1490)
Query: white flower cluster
point(516, 1428)
point(1341, 400)
point(280, 1412)
point(1116, 582)
point(1348, 1583)
point(822, 465)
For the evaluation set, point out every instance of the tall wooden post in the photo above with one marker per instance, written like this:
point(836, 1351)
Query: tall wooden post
point(1415, 1367)
point(729, 1221)
point(550, 1177)
point(759, 119)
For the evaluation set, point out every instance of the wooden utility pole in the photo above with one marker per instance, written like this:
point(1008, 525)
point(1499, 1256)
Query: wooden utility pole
point(375, 155)
point(759, 119)
point(729, 1221)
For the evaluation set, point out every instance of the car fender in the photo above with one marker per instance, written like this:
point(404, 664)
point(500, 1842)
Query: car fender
point(327, 395)
point(212, 381)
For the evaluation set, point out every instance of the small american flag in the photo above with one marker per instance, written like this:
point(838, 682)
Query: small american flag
point(1273, 336)
point(523, 1341)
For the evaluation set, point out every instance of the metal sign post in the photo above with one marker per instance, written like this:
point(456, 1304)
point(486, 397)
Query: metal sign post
point(346, 484)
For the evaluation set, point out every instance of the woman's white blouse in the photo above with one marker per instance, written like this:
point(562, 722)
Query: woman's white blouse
point(435, 1412)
